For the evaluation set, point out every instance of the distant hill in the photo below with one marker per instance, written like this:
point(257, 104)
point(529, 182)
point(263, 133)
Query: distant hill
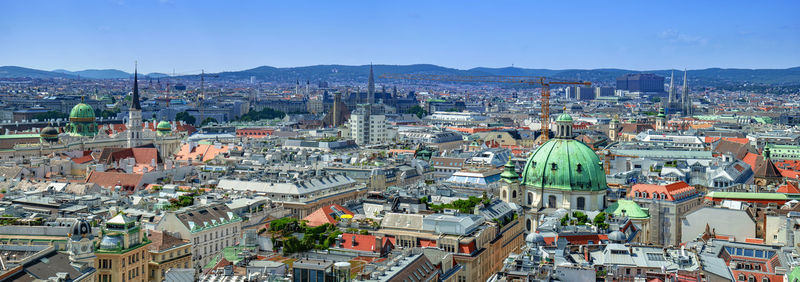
point(343, 73)
point(18, 72)
point(97, 74)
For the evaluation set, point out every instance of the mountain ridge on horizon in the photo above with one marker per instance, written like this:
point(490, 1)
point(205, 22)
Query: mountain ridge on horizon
point(335, 72)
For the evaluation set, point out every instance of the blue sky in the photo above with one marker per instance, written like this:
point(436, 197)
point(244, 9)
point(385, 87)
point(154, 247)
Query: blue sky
point(232, 35)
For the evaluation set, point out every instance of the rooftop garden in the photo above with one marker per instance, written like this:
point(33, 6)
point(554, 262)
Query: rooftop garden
point(283, 232)
point(580, 218)
point(463, 206)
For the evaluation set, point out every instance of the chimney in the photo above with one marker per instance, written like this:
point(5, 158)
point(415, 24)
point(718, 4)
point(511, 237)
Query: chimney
point(354, 240)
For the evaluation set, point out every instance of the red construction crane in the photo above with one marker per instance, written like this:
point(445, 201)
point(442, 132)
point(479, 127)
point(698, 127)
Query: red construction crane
point(530, 80)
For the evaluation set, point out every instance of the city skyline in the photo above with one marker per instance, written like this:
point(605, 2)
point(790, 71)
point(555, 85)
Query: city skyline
point(188, 36)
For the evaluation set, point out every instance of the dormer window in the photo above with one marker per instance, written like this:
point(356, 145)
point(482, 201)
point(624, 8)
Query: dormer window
point(554, 166)
point(579, 168)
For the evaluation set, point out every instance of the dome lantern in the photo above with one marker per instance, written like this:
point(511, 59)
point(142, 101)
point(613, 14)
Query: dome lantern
point(564, 126)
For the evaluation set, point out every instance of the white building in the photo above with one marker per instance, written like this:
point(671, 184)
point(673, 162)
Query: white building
point(368, 126)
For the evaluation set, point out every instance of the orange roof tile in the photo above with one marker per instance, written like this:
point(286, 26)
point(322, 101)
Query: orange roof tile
point(325, 214)
point(364, 243)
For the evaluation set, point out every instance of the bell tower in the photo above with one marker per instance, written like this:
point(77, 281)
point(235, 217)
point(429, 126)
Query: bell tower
point(510, 190)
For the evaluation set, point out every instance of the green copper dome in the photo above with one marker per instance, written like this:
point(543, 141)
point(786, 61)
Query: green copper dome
point(564, 164)
point(509, 172)
point(82, 112)
point(564, 117)
point(164, 125)
point(630, 208)
point(49, 134)
point(81, 121)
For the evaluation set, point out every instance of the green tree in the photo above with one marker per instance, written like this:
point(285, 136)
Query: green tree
point(417, 110)
point(600, 220)
point(50, 115)
point(208, 120)
point(265, 113)
point(185, 117)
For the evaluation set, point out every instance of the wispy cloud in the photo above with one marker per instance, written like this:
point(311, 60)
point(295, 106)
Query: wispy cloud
point(673, 36)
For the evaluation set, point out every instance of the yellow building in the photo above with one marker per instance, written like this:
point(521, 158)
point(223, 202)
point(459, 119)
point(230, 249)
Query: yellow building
point(167, 251)
point(123, 254)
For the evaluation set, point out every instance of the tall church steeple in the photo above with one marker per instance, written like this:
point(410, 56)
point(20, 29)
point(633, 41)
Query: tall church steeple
point(686, 102)
point(134, 131)
point(371, 86)
point(671, 99)
point(135, 102)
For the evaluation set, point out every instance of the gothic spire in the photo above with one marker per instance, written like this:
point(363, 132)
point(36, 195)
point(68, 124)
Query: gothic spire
point(135, 101)
point(687, 103)
point(671, 90)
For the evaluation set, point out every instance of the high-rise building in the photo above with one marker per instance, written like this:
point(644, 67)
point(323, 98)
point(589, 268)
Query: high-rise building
point(368, 125)
point(641, 82)
point(581, 93)
point(134, 126)
point(371, 87)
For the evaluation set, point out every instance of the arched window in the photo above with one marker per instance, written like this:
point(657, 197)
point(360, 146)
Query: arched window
point(504, 194)
point(551, 201)
point(528, 224)
point(644, 195)
point(581, 203)
point(764, 279)
point(663, 196)
point(751, 278)
point(530, 198)
point(514, 194)
point(741, 277)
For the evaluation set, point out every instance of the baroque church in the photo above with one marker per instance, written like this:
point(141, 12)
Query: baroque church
point(563, 173)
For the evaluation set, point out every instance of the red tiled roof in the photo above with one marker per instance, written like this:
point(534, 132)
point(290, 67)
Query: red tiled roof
point(364, 243)
point(467, 248)
point(109, 179)
point(162, 241)
point(712, 139)
point(83, 160)
point(426, 243)
point(750, 159)
point(325, 215)
point(789, 188)
point(754, 240)
point(671, 191)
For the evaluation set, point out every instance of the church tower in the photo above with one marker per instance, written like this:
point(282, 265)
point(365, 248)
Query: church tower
point(671, 98)
point(661, 120)
point(613, 128)
point(510, 190)
point(134, 132)
point(80, 243)
point(686, 101)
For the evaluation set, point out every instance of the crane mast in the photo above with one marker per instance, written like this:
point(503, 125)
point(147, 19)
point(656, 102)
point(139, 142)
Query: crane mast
point(544, 82)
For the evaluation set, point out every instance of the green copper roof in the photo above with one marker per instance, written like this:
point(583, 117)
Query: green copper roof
point(794, 275)
point(509, 172)
point(747, 195)
point(82, 111)
point(632, 210)
point(164, 125)
point(565, 164)
point(564, 117)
